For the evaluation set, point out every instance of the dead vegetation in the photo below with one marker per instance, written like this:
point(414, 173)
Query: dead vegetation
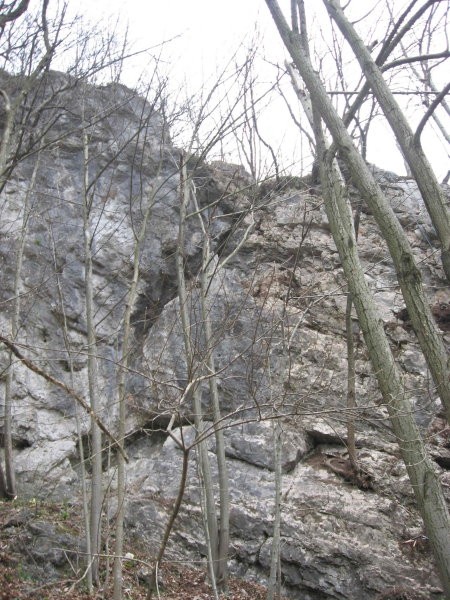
point(23, 572)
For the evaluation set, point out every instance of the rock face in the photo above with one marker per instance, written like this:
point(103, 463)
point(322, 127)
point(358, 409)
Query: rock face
point(278, 318)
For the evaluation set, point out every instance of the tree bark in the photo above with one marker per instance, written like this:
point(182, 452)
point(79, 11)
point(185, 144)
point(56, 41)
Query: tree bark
point(413, 153)
point(96, 436)
point(123, 367)
point(275, 550)
point(408, 274)
point(208, 271)
point(224, 497)
point(205, 468)
point(425, 483)
point(175, 510)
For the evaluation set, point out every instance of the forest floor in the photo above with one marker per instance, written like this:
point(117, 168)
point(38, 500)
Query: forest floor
point(27, 563)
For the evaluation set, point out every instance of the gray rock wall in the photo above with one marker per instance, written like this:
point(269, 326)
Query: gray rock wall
point(278, 318)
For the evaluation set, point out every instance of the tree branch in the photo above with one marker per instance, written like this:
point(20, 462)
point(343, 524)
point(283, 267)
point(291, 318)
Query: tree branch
point(33, 367)
point(411, 59)
point(12, 15)
point(430, 111)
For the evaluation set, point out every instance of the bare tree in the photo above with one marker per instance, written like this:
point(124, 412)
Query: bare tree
point(10, 23)
point(27, 208)
point(212, 532)
point(12, 11)
point(424, 69)
point(43, 43)
point(207, 273)
point(407, 272)
point(425, 483)
point(96, 436)
point(409, 143)
point(126, 347)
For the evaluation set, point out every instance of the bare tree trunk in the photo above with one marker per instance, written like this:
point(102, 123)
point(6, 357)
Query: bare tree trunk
point(176, 507)
point(408, 274)
point(203, 507)
point(191, 365)
point(123, 367)
point(351, 392)
point(422, 474)
point(96, 437)
point(3, 489)
point(209, 269)
point(224, 496)
point(9, 460)
point(5, 143)
point(424, 480)
point(275, 550)
point(84, 494)
point(351, 375)
point(107, 534)
point(412, 151)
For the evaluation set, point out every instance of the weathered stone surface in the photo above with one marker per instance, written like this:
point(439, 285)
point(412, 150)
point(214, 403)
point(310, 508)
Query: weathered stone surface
point(45, 548)
point(44, 469)
point(337, 541)
point(277, 310)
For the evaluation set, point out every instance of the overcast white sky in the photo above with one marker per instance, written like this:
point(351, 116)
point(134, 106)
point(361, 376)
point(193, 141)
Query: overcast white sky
point(209, 32)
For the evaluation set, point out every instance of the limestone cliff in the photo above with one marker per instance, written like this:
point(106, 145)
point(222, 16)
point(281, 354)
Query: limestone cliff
point(278, 312)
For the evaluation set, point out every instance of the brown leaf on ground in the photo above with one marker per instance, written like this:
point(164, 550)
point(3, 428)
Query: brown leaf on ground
point(178, 582)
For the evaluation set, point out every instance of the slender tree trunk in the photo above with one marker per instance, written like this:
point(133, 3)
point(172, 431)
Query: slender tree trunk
point(9, 459)
point(3, 489)
point(351, 392)
point(224, 532)
point(212, 563)
point(176, 508)
point(413, 153)
point(7, 484)
point(5, 143)
point(191, 365)
point(96, 437)
point(106, 536)
point(84, 495)
point(351, 372)
point(83, 478)
point(209, 269)
point(422, 474)
point(408, 274)
point(123, 367)
point(275, 550)
point(425, 483)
